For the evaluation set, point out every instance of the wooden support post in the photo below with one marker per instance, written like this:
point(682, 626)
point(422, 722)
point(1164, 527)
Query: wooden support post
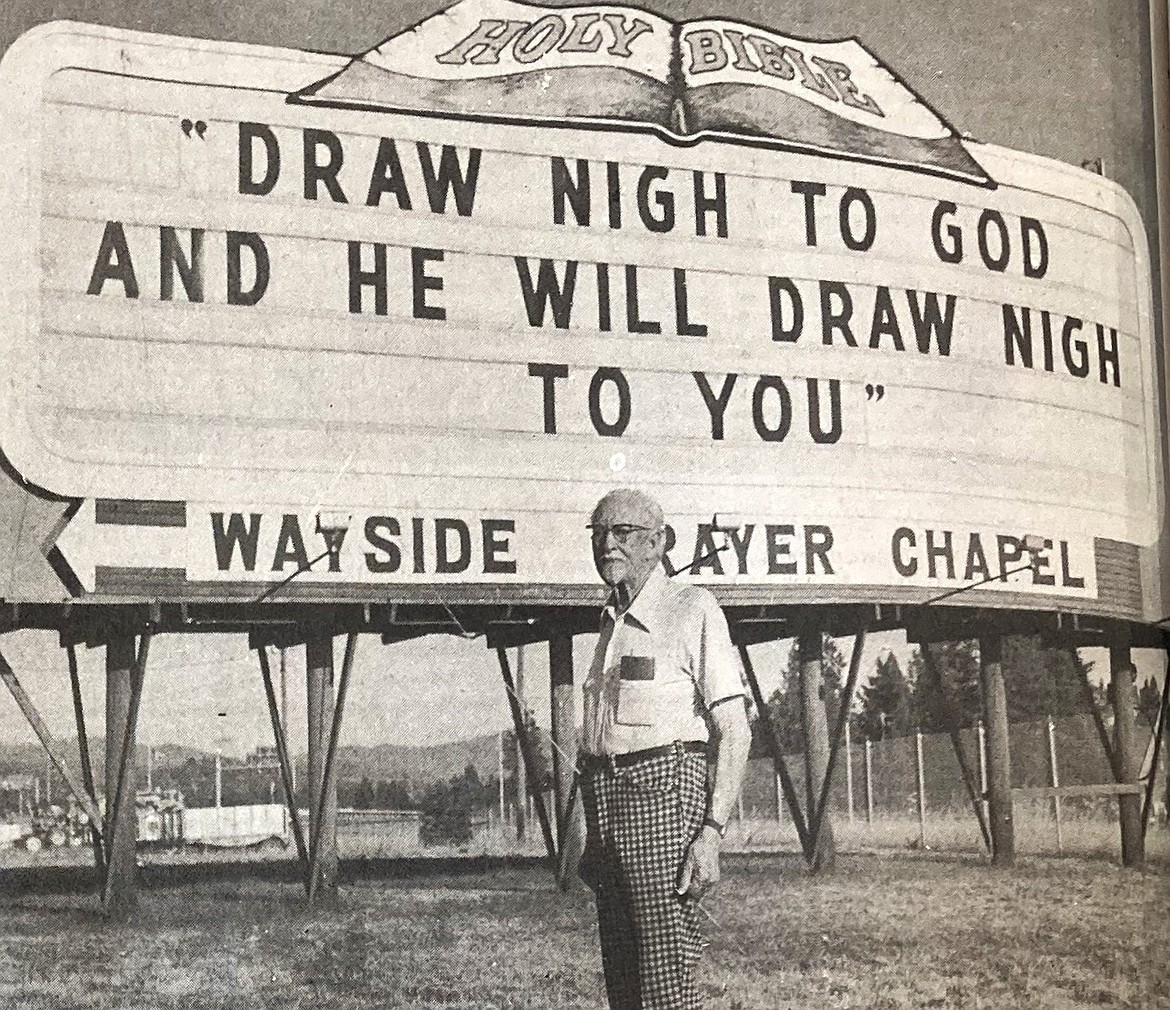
point(322, 808)
point(121, 824)
point(816, 747)
point(1125, 750)
point(328, 793)
point(564, 725)
point(999, 764)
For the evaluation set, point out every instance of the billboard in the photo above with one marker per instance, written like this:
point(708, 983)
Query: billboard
point(252, 295)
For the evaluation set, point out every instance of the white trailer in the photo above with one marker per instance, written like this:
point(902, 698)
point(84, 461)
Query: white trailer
point(234, 827)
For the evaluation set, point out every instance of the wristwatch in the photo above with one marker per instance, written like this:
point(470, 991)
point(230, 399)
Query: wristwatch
point(719, 826)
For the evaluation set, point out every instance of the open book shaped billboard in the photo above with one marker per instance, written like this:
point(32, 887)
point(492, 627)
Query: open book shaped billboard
point(252, 294)
point(615, 66)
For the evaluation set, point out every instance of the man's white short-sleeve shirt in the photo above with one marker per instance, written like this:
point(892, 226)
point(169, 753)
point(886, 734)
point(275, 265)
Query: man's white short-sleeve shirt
point(658, 669)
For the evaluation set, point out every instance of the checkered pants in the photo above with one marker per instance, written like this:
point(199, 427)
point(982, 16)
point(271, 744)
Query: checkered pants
point(640, 821)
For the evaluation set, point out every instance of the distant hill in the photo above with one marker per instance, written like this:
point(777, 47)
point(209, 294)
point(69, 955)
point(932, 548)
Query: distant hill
point(419, 766)
point(416, 767)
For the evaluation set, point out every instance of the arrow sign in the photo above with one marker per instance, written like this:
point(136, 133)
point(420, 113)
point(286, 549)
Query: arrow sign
point(125, 535)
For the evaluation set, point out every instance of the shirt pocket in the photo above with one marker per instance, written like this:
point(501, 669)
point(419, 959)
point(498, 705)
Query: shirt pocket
point(651, 702)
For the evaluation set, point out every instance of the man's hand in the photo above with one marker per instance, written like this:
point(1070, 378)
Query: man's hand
point(700, 869)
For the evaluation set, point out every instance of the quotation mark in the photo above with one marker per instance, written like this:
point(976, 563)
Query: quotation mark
point(873, 392)
point(199, 126)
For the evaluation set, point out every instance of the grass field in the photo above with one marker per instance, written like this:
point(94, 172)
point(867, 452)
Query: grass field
point(882, 932)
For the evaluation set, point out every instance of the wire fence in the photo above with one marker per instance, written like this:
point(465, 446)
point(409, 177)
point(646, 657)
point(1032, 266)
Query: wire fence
point(909, 791)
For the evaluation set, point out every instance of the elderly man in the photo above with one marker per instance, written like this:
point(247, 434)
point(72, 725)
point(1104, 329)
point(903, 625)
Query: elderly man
point(663, 705)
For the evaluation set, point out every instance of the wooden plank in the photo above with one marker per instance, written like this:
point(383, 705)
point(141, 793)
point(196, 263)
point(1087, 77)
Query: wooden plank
point(1063, 792)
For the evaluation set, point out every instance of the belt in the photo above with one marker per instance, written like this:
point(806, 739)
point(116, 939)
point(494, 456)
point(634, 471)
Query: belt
point(597, 762)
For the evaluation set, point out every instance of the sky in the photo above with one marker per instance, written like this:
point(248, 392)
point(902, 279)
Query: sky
point(1060, 79)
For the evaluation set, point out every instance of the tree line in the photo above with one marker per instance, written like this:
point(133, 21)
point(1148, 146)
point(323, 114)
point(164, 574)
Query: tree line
point(1039, 681)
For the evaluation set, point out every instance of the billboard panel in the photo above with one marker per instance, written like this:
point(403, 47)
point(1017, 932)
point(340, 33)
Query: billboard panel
point(232, 307)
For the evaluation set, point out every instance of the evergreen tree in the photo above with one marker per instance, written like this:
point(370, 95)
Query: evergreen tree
point(957, 667)
point(363, 796)
point(784, 705)
point(541, 754)
point(1149, 700)
point(393, 795)
point(1040, 681)
point(448, 808)
point(885, 702)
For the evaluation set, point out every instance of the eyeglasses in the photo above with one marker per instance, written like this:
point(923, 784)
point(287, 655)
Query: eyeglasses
point(622, 532)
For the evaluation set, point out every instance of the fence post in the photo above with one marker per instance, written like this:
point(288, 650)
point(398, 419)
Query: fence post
point(1055, 775)
point(868, 781)
point(982, 734)
point(779, 798)
point(921, 779)
point(849, 770)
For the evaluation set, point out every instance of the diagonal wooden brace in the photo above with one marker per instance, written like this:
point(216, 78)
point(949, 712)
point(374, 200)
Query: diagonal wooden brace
point(818, 815)
point(950, 717)
point(99, 856)
point(1102, 731)
point(781, 766)
point(1159, 733)
point(83, 796)
point(526, 751)
point(285, 764)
